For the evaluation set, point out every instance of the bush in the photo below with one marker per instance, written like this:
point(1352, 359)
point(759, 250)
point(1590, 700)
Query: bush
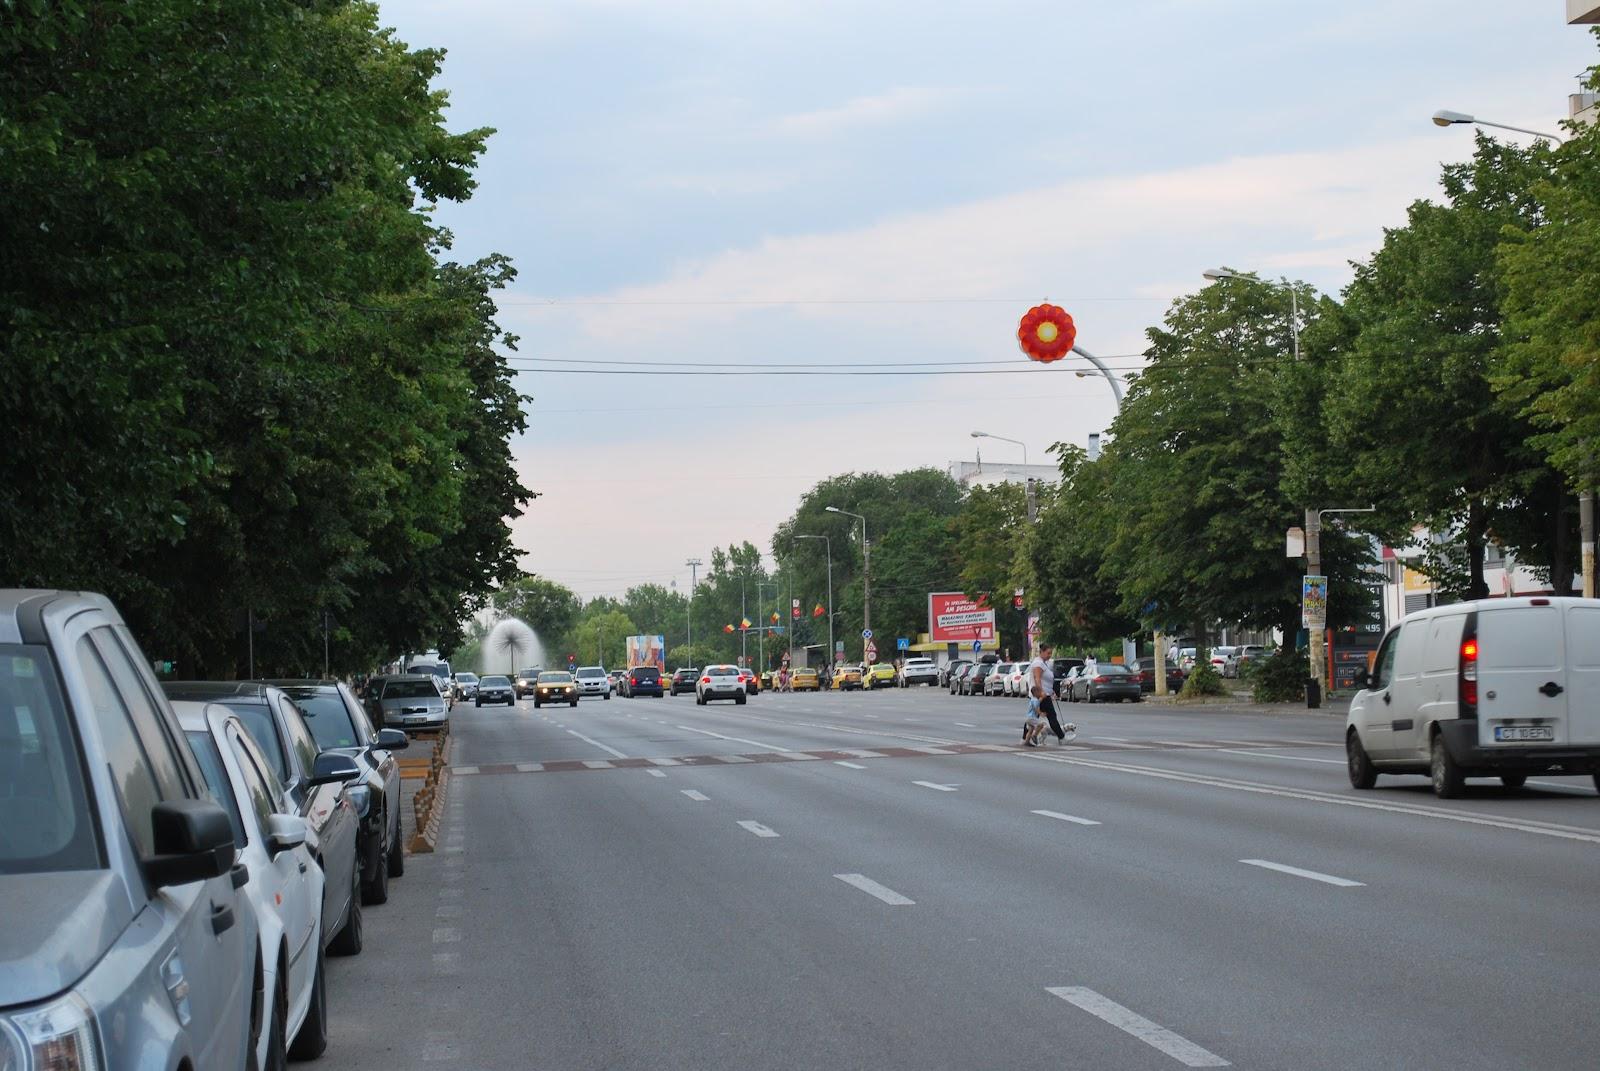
point(1202, 681)
point(1278, 679)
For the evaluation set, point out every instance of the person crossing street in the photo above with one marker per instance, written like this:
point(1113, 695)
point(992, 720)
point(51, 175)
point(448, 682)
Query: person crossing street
point(1042, 687)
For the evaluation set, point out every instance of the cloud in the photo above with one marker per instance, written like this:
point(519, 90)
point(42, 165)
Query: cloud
point(904, 102)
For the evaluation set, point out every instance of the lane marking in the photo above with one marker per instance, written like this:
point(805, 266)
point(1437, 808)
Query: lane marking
point(444, 935)
point(1115, 739)
point(872, 888)
point(1066, 817)
point(1286, 758)
point(1131, 1022)
point(530, 767)
point(1283, 868)
point(1182, 743)
point(698, 797)
point(597, 764)
point(966, 725)
point(735, 739)
point(935, 786)
point(603, 747)
point(862, 753)
point(933, 751)
point(656, 773)
point(757, 828)
point(849, 765)
point(731, 758)
point(1578, 833)
point(665, 762)
point(1569, 786)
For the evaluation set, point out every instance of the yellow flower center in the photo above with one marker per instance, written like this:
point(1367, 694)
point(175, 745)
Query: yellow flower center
point(1047, 332)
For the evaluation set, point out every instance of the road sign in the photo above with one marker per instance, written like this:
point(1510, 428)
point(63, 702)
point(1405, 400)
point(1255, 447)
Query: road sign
point(977, 645)
point(866, 634)
point(902, 644)
point(872, 651)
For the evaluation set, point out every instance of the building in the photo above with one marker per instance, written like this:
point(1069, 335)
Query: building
point(981, 474)
point(1581, 106)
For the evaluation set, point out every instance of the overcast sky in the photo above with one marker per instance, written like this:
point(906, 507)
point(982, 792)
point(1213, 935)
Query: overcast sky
point(880, 185)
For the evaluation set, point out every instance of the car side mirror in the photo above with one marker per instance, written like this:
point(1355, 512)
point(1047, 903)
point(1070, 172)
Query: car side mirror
point(392, 740)
point(285, 831)
point(1364, 678)
point(193, 842)
point(331, 768)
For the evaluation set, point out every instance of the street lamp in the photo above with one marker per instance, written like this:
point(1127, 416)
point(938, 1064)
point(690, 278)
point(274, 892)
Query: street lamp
point(1224, 274)
point(693, 564)
point(1445, 117)
point(866, 572)
point(829, 543)
point(1002, 438)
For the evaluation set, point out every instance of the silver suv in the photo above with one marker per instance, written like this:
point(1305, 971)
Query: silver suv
point(126, 942)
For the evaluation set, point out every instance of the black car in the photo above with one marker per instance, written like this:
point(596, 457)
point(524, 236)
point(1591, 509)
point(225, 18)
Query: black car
point(644, 680)
point(1106, 682)
point(972, 682)
point(526, 680)
point(495, 690)
point(683, 680)
point(948, 671)
point(1145, 671)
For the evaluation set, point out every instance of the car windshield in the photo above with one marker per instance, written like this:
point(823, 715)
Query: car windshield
point(528, 674)
point(204, 746)
point(555, 677)
point(645, 673)
point(46, 822)
point(326, 716)
point(723, 671)
point(410, 689)
point(589, 673)
point(494, 682)
point(466, 678)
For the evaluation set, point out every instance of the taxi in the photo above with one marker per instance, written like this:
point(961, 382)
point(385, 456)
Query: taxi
point(555, 686)
point(846, 679)
point(879, 675)
point(804, 680)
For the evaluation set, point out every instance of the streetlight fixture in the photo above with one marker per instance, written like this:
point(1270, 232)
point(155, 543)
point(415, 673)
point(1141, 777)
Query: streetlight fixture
point(829, 544)
point(866, 572)
point(1445, 117)
point(1002, 438)
point(688, 617)
point(1225, 274)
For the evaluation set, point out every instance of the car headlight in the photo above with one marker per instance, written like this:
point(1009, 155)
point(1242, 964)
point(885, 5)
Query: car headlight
point(57, 1037)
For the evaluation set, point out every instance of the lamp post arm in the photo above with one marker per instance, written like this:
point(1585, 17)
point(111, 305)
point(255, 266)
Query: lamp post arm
point(1557, 138)
point(1116, 387)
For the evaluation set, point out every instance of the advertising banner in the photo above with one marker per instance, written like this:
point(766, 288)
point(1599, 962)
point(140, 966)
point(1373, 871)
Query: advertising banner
point(1314, 602)
point(647, 651)
point(955, 618)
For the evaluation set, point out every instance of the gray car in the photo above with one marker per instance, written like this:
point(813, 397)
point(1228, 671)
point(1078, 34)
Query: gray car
point(412, 701)
point(127, 941)
point(341, 727)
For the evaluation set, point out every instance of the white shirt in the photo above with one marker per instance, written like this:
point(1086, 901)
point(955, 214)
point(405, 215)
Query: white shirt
point(1047, 679)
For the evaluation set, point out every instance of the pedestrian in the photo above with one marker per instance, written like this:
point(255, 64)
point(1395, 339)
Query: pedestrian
point(1042, 688)
point(1172, 653)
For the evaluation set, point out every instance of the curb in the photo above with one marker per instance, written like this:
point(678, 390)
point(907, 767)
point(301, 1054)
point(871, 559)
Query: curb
point(428, 801)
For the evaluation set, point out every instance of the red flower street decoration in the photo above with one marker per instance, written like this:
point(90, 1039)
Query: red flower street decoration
point(1046, 333)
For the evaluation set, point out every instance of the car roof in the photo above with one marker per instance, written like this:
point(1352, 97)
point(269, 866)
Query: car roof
point(222, 691)
point(195, 715)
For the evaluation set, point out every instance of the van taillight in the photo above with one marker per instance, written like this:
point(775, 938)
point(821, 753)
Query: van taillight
point(1467, 693)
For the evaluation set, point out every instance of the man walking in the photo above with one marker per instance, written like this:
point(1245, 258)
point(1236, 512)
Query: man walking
point(1042, 686)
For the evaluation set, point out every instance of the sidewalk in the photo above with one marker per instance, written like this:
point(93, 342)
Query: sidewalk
point(1240, 702)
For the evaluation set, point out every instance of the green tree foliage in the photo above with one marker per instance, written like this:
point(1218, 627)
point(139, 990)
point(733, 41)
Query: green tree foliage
point(543, 605)
point(658, 611)
point(248, 379)
point(600, 638)
point(1075, 581)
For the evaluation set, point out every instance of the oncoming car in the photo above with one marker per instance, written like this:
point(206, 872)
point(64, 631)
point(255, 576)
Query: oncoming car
point(555, 686)
point(592, 680)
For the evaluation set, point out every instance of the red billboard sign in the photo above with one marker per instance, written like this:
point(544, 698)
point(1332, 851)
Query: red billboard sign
point(955, 618)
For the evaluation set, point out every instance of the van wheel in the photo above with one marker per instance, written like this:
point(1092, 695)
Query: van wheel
point(1448, 780)
point(1362, 773)
point(1513, 780)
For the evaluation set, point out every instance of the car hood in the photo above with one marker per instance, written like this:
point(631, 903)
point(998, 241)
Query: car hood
point(58, 925)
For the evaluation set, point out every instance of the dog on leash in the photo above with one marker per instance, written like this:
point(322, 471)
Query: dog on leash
point(1035, 727)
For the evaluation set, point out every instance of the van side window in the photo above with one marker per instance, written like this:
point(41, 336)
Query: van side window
point(136, 782)
point(1383, 668)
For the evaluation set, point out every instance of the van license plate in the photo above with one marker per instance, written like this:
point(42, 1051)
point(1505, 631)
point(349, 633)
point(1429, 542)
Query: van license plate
point(1524, 732)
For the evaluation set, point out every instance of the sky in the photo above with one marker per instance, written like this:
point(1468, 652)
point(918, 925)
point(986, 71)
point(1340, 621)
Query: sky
point(842, 188)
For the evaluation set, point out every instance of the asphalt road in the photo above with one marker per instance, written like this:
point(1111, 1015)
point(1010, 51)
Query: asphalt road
point(886, 881)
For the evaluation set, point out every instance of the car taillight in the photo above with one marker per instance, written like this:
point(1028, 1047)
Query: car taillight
point(1467, 687)
point(705, 680)
point(1101, 680)
point(633, 680)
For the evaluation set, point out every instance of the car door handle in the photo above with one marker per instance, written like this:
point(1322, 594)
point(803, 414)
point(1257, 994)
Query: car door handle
point(221, 918)
point(1551, 689)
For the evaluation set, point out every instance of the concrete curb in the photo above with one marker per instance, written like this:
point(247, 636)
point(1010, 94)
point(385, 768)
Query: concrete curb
point(429, 800)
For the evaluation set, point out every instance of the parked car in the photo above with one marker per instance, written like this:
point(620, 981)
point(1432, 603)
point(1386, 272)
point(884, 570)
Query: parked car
point(948, 671)
point(720, 682)
point(683, 679)
point(1186, 657)
point(645, 680)
point(555, 686)
point(804, 679)
point(957, 675)
point(341, 726)
point(285, 885)
point(466, 685)
point(412, 701)
point(526, 680)
point(1111, 681)
point(313, 782)
point(1242, 656)
point(495, 690)
point(972, 683)
point(1219, 657)
point(1145, 673)
point(592, 680)
point(878, 675)
point(846, 679)
point(127, 940)
point(994, 682)
point(1017, 679)
point(1493, 688)
point(1061, 667)
point(751, 685)
point(918, 671)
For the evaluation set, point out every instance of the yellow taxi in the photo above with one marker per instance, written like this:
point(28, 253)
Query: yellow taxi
point(846, 678)
point(804, 680)
point(555, 686)
point(879, 675)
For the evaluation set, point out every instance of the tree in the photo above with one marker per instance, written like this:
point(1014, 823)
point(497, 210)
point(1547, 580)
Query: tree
point(1074, 582)
point(544, 605)
point(600, 638)
point(659, 611)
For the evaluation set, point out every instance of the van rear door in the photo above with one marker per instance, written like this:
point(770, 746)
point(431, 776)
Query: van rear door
point(1583, 673)
point(1522, 679)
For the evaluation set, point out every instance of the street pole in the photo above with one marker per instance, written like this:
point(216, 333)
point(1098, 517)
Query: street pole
point(744, 615)
point(1586, 521)
point(693, 564)
point(1314, 628)
point(250, 633)
point(324, 645)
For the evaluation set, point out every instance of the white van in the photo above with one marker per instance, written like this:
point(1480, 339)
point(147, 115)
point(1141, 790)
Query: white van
point(1494, 688)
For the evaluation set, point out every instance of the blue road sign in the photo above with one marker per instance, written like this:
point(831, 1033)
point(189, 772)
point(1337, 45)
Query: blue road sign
point(977, 645)
point(866, 634)
point(902, 643)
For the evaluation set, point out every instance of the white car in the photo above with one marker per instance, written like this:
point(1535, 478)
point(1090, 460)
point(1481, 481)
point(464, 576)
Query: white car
point(284, 883)
point(1219, 658)
point(1017, 679)
point(995, 682)
point(919, 671)
point(592, 680)
point(720, 682)
point(1495, 688)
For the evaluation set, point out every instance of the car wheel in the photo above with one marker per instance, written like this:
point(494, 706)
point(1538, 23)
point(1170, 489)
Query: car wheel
point(376, 889)
point(537, 704)
point(347, 942)
point(277, 1048)
point(312, 1039)
point(573, 703)
point(739, 699)
point(1362, 773)
point(477, 702)
point(1090, 693)
point(699, 700)
point(1513, 780)
point(608, 695)
point(1448, 780)
point(397, 852)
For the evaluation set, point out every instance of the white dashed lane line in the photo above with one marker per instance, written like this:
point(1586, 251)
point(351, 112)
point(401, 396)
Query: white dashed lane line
point(849, 765)
point(656, 773)
point(872, 888)
point(603, 747)
point(757, 828)
point(1285, 758)
point(1074, 819)
point(1156, 1036)
point(698, 797)
point(735, 739)
point(935, 786)
point(1313, 875)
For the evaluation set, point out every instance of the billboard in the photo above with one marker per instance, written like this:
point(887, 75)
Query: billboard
point(647, 651)
point(955, 618)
